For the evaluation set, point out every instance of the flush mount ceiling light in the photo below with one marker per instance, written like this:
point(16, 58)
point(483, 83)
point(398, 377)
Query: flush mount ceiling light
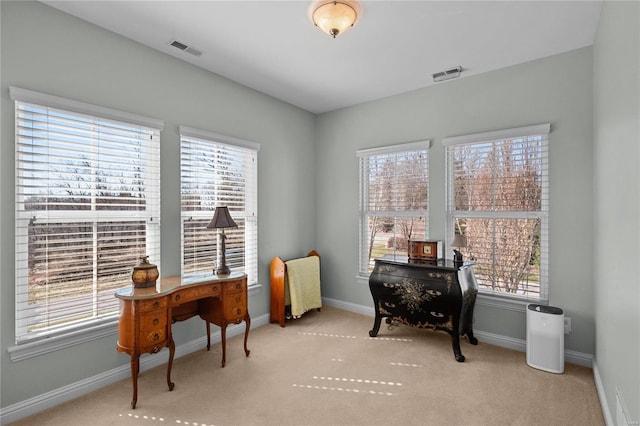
point(334, 17)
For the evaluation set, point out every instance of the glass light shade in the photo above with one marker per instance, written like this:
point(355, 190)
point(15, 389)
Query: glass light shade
point(334, 18)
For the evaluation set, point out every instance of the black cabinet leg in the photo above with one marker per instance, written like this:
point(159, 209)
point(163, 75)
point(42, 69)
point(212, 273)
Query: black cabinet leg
point(376, 326)
point(455, 341)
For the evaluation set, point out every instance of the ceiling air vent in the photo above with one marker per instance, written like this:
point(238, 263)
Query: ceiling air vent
point(185, 48)
point(447, 75)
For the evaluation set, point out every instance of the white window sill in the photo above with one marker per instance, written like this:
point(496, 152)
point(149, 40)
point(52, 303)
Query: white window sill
point(502, 302)
point(362, 280)
point(54, 343)
point(254, 289)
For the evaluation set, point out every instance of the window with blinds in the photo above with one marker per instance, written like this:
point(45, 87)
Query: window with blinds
point(87, 208)
point(498, 186)
point(394, 200)
point(218, 170)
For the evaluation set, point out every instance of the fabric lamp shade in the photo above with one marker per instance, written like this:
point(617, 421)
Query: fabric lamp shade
point(222, 219)
point(459, 241)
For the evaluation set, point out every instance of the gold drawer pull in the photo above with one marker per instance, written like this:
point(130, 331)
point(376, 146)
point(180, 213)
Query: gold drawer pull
point(156, 336)
point(177, 297)
point(156, 321)
point(156, 304)
point(238, 311)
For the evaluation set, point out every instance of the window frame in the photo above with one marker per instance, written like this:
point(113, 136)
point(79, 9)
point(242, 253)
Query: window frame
point(59, 337)
point(497, 298)
point(364, 213)
point(250, 215)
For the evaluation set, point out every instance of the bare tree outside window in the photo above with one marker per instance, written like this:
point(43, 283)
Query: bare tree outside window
point(394, 202)
point(87, 208)
point(499, 203)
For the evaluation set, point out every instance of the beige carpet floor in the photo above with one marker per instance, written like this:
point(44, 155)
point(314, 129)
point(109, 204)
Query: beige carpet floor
point(324, 369)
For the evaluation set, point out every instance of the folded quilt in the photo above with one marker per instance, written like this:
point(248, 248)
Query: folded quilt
point(303, 282)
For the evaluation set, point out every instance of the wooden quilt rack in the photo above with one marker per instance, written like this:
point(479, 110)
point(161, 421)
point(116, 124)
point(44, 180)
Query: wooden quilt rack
point(278, 271)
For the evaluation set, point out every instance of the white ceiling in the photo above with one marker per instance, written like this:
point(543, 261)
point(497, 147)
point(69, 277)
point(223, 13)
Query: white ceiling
point(394, 47)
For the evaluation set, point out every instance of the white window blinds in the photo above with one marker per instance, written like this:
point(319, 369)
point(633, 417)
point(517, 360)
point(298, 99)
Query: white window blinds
point(394, 200)
point(87, 208)
point(498, 198)
point(218, 170)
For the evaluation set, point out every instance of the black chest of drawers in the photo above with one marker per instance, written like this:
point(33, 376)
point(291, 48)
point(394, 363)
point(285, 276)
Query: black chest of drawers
point(434, 295)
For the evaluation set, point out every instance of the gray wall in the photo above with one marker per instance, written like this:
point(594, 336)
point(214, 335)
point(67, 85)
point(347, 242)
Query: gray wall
point(558, 90)
point(51, 52)
point(45, 50)
point(617, 204)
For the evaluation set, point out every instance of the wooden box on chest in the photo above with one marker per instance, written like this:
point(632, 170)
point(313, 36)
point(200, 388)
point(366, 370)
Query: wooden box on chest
point(424, 250)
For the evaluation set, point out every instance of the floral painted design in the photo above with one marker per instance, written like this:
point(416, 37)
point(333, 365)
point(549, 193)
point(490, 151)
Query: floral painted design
point(413, 295)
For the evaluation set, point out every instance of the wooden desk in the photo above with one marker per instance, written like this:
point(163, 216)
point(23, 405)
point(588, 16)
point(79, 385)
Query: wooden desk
point(146, 315)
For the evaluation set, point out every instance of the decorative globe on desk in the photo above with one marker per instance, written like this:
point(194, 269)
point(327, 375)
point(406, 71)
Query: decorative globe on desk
point(144, 274)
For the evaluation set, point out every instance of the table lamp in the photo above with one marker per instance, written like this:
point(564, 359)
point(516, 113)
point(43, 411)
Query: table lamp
point(221, 220)
point(458, 242)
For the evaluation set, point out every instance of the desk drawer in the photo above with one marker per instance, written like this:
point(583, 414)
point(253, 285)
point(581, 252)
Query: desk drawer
point(152, 339)
point(235, 307)
point(234, 287)
point(200, 292)
point(153, 320)
point(152, 304)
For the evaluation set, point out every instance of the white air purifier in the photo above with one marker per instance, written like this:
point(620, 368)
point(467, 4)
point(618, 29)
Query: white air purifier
point(545, 338)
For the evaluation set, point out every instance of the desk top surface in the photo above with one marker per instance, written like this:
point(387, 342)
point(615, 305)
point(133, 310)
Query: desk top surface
point(167, 285)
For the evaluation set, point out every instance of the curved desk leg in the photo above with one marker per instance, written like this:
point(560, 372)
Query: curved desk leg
point(223, 340)
point(135, 369)
point(172, 350)
point(247, 321)
point(208, 334)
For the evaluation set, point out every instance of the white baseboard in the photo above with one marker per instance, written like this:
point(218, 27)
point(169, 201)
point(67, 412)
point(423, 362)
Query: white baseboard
point(75, 390)
point(573, 357)
point(351, 307)
point(608, 420)
point(58, 396)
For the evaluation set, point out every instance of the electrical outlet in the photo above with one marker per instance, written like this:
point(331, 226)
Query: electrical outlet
point(567, 325)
